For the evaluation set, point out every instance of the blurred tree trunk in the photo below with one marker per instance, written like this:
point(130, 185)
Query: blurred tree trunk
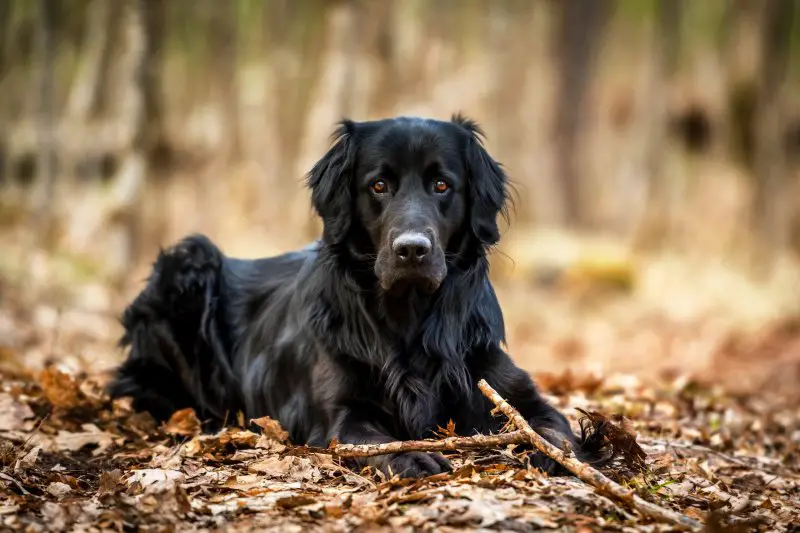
point(86, 87)
point(509, 41)
point(225, 51)
point(152, 137)
point(5, 38)
point(647, 161)
point(5, 64)
point(577, 40)
point(770, 206)
point(143, 116)
point(44, 210)
point(382, 44)
point(333, 94)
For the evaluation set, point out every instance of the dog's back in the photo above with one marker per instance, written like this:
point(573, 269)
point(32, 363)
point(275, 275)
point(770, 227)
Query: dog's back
point(180, 330)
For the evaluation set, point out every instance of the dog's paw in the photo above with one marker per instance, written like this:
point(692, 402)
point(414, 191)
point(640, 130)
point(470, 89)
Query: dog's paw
point(547, 465)
point(418, 464)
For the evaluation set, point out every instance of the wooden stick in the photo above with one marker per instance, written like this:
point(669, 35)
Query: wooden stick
point(449, 443)
point(584, 471)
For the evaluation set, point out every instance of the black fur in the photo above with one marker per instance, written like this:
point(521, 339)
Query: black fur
point(320, 341)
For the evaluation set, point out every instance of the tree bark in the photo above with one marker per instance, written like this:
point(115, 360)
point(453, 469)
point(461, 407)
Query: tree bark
point(5, 39)
point(142, 115)
point(90, 71)
point(152, 137)
point(649, 139)
point(225, 50)
point(577, 40)
point(769, 202)
point(46, 123)
point(332, 96)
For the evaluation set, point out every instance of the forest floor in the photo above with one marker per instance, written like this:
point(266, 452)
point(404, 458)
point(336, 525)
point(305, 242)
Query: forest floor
point(722, 438)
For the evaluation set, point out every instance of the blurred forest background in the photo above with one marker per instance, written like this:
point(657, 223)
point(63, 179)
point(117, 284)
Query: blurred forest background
point(654, 146)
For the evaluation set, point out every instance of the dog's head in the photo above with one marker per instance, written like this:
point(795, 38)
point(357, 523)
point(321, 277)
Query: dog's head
point(410, 195)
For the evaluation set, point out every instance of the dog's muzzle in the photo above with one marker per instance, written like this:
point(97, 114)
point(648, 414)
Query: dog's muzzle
point(412, 258)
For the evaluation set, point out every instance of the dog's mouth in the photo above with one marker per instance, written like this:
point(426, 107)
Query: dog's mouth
point(399, 285)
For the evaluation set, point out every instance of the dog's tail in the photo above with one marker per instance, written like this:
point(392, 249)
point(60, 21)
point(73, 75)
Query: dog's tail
point(177, 358)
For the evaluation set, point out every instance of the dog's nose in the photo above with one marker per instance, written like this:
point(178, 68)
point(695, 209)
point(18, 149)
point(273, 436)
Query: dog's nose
point(411, 247)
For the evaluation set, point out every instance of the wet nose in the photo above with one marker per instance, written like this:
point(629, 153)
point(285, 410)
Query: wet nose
point(411, 247)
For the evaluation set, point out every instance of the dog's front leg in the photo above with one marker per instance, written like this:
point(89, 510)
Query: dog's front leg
point(518, 389)
point(353, 429)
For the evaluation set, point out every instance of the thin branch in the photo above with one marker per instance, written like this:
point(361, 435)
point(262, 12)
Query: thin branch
point(584, 471)
point(449, 443)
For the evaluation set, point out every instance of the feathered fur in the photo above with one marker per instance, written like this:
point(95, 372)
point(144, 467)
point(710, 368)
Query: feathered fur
point(310, 339)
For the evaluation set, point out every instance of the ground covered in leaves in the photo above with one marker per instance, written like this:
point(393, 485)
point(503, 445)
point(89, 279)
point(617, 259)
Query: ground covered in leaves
point(722, 447)
point(73, 460)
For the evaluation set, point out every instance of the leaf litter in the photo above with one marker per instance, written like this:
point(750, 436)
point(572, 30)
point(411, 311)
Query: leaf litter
point(88, 464)
point(72, 460)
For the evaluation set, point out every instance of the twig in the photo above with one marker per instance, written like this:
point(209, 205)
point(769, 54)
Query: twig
point(449, 443)
point(584, 471)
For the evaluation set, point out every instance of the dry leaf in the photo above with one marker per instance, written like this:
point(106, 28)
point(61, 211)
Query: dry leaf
point(108, 482)
point(183, 423)
point(225, 440)
point(58, 489)
point(66, 440)
point(13, 414)
point(271, 428)
point(291, 502)
point(28, 460)
point(182, 499)
point(60, 389)
point(334, 511)
point(154, 480)
point(449, 431)
point(54, 516)
point(618, 436)
point(272, 466)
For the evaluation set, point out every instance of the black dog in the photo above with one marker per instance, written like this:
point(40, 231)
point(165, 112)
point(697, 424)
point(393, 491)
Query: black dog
point(379, 332)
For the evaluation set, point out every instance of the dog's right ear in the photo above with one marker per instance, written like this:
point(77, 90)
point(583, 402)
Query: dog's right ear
point(330, 182)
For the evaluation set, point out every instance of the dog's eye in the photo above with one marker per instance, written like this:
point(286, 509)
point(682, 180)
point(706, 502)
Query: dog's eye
point(378, 186)
point(440, 186)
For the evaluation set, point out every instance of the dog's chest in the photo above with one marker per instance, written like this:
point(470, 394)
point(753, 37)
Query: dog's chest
point(414, 402)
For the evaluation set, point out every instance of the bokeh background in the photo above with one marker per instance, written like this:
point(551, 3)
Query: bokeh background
point(654, 146)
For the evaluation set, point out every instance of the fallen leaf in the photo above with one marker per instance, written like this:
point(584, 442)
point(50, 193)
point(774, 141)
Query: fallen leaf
point(183, 423)
point(272, 466)
point(271, 428)
point(66, 440)
point(108, 482)
point(291, 502)
point(449, 431)
point(155, 480)
point(28, 460)
point(617, 434)
point(60, 389)
point(334, 511)
point(242, 483)
point(54, 516)
point(58, 489)
point(221, 442)
point(182, 499)
point(13, 414)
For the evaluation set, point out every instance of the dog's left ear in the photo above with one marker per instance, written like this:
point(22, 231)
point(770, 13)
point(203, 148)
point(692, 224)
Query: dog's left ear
point(487, 184)
point(330, 181)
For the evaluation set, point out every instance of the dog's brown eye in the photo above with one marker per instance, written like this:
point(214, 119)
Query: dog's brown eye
point(440, 186)
point(378, 186)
